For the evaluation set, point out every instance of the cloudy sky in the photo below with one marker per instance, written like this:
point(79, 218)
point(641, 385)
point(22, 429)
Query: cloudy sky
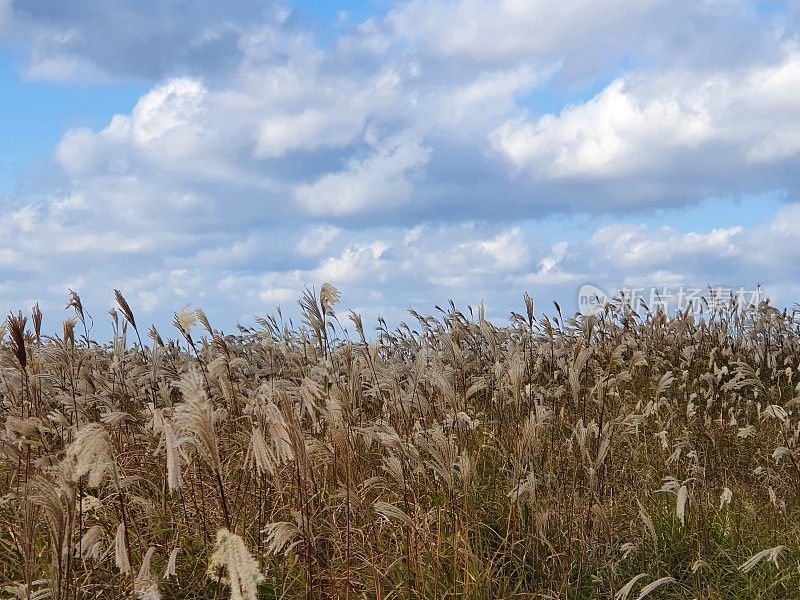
point(225, 155)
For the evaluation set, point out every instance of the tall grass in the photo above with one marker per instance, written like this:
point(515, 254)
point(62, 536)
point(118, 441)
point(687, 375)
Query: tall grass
point(612, 456)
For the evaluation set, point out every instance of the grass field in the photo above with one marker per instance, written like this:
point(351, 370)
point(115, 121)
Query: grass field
point(613, 456)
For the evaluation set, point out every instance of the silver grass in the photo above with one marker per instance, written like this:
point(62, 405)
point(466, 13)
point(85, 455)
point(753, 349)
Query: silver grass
point(648, 522)
point(170, 570)
point(771, 554)
point(232, 564)
point(259, 455)
point(174, 456)
point(725, 497)
point(146, 582)
point(90, 546)
point(328, 296)
point(89, 454)
point(650, 587)
point(121, 559)
point(196, 418)
point(681, 500)
point(281, 537)
point(392, 512)
point(625, 590)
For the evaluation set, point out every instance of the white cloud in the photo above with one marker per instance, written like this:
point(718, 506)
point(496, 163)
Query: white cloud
point(382, 180)
point(316, 241)
point(309, 130)
point(165, 127)
point(277, 295)
point(176, 106)
point(493, 31)
point(614, 134)
point(507, 250)
point(461, 256)
point(77, 151)
point(356, 263)
point(490, 96)
point(634, 246)
point(9, 257)
point(552, 270)
point(646, 123)
point(658, 279)
point(330, 132)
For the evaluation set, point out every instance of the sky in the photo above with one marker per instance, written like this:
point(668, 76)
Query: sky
point(228, 155)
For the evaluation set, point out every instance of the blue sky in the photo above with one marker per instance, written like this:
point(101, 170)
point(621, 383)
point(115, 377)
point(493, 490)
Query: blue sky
point(36, 114)
point(407, 151)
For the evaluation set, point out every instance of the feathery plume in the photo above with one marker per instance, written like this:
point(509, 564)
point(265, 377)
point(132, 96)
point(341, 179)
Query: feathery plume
point(650, 587)
point(328, 296)
point(16, 327)
point(771, 554)
point(175, 460)
point(89, 454)
point(170, 570)
point(155, 336)
point(146, 582)
point(36, 317)
point(185, 320)
point(232, 564)
point(680, 504)
point(125, 308)
point(121, 559)
point(282, 537)
point(625, 590)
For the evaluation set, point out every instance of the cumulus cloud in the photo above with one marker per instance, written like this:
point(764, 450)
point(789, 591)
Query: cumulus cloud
point(316, 241)
point(382, 180)
point(406, 158)
point(358, 262)
point(634, 246)
point(615, 134)
point(331, 132)
point(649, 124)
point(309, 130)
point(165, 128)
point(507, 251)
point(495, 31)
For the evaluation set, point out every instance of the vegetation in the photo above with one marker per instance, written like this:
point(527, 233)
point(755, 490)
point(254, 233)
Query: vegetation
point(611, 456)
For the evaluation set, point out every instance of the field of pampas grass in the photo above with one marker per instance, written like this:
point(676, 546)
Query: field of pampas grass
point(613, 456)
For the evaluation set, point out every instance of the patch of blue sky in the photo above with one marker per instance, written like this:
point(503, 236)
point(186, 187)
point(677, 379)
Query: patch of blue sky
point(718, 213)
point(330, 19)
point(771, 7)
point(552, 98)
point(355, 10)
point(703, 217)
point(35, 115)
point(558, 92)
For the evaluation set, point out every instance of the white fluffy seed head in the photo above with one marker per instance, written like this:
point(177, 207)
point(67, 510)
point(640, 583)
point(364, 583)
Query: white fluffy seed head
point(680, 504)
point(771, 554)
point(170, 571)
point(89, 454)
point(121, 558)
point(725, 497)
point(232, 564)
point(146, 582)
